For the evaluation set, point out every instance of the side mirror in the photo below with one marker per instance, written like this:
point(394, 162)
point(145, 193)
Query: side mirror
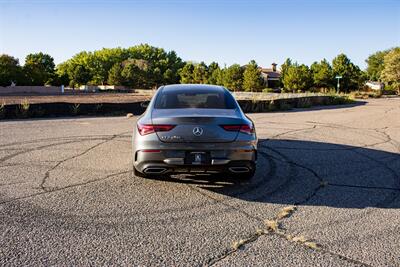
point(144, 104)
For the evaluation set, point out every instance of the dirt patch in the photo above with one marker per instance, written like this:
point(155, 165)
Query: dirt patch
point(88, 98)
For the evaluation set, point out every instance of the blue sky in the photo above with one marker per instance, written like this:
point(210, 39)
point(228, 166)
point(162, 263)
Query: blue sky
point(224, 31)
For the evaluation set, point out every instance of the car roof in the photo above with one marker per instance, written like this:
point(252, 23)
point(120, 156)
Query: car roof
point(194, 87)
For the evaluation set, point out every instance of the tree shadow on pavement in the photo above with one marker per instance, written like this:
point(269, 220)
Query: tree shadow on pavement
point(324, 107)
point(294, 172)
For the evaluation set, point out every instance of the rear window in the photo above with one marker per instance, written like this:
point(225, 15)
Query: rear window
point(173, 99)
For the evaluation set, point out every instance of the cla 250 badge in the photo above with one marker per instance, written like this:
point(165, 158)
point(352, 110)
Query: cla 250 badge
point(170, 137)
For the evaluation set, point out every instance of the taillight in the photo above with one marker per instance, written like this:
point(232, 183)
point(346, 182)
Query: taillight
point(244, 128)
point(150, 128)
point(231, 128)
point(249, 129)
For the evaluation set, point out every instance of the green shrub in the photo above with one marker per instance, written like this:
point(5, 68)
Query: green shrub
point(23, 109)
point(39, 112)
point(268, 90)
point(271, 106)
point(365, 95)
point(98, 107)
point(304, 103)
point(75, 108)
point(390, 90)
point(2, 110)
point(285, 106)
point(341, 99)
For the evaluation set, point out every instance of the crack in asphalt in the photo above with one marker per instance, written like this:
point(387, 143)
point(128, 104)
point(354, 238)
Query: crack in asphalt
point(386, 137)
point(363, 186)
point(65, 187)
point(395, 143)
point(47, 174)
point(14, 183)
point(49, 190)
point(282, 234)
point(254, 237)
point(321, 185)
point(8, 157)
point(74, 140)
point(75, 137)
point(293, 131)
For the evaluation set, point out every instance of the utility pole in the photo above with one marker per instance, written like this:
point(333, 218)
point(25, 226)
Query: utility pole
point(338, 83)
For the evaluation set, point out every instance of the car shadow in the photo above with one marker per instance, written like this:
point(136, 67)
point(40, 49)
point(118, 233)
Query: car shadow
point(294, 172)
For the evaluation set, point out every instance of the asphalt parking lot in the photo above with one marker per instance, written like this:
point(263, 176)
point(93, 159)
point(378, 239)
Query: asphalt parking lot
point(68, 197)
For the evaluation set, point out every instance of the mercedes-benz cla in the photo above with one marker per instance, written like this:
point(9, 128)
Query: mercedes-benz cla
point(190, 128)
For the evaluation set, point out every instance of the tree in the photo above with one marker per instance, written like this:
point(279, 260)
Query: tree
point(375, 65)
point(200, 73)
point(61, 73)
point(59, 80)
point(213, 67)
point(186, 73)
point(170, 76)
point(391, 70)
point(134, 73)
point(10, 70)
point(252, 80)
point(352, 77)
point(159, 61)
point(217, 77)
point(173, 64)
point(101, 61)
point(284, 68)
point(233, 77)
point(161, 67)
point(39, 68)
point(322, 74)
point(80, 75)
point(115, 75)
point(297, 78)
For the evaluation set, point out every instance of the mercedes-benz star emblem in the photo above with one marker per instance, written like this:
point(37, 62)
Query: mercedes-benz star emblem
point(197, 131)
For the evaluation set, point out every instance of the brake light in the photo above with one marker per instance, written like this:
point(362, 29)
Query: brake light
point(151, 150)
point(244, 128)
point(231, 128)
point(145, 129)
point(248, 129)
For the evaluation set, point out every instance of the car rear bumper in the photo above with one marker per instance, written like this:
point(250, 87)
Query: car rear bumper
point(153, 161)
point(237, 167)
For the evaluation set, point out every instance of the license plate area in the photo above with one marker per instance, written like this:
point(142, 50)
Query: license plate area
point(197, 158)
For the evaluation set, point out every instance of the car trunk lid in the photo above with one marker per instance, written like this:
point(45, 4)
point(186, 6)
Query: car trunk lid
point(196, 125)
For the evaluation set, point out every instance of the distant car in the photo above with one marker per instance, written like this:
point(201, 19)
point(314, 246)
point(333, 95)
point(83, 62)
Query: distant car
point(190, 128)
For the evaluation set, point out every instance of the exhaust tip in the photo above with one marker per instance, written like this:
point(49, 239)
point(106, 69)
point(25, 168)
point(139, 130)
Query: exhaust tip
point(155, 170)
point(239, 169)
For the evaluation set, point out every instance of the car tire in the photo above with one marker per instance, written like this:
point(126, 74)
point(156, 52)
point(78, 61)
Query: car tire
point(243, 176)
point(246, 176)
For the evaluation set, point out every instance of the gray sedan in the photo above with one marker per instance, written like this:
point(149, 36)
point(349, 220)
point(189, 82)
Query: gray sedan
point(191, 128)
